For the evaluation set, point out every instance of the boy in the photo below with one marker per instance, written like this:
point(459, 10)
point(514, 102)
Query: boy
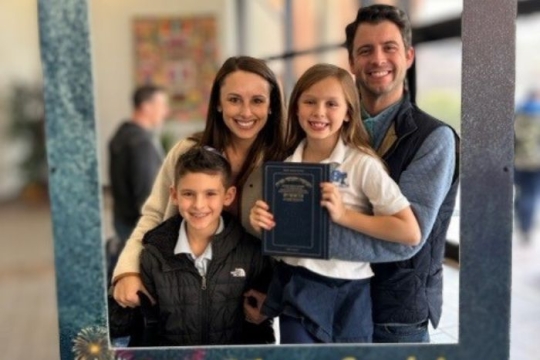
point(198, 264)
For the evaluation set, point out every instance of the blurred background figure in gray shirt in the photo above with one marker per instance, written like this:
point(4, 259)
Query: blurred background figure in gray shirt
point(135, 156)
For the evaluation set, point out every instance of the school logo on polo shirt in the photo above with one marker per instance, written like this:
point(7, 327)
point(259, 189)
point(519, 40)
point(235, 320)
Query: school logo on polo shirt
point(339, 178)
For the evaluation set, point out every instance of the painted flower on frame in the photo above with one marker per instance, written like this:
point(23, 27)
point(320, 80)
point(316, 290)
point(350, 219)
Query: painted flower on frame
point(91, 344)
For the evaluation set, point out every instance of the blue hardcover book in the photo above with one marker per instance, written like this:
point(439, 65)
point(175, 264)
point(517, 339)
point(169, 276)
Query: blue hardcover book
point(293, 192)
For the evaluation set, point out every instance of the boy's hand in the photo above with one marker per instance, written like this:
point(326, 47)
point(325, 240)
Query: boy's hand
point(253, 301)
point(260, 217)
point(125, 291)
point(331, 200)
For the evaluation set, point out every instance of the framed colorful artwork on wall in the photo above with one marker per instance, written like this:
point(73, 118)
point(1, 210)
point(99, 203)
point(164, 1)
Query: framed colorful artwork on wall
point(180, 54)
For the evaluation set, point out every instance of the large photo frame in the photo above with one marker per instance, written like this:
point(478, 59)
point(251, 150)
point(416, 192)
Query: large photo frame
point(486, 186)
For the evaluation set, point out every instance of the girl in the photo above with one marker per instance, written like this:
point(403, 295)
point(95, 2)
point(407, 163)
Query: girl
point(244, 122)
point(329, 300)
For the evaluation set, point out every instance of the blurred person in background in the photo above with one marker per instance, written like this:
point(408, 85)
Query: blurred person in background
point(527, 163)
point(135, 156)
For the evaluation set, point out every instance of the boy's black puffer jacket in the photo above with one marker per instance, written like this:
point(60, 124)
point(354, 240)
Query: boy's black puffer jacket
point(205, 311)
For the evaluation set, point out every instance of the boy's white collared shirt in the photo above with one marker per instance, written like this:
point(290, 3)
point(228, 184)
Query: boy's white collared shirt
point(365, 187)
point(182, 247)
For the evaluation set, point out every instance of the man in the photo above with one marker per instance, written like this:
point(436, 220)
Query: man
point(527, 164)
point(421, 155)
point(135, 157)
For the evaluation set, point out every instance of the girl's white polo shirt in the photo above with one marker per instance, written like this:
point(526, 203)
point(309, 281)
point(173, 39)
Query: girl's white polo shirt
point(366, 187)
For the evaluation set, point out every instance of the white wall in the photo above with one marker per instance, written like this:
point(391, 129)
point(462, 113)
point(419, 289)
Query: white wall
point(19, 62)
point(19, 58)
point(527, 55)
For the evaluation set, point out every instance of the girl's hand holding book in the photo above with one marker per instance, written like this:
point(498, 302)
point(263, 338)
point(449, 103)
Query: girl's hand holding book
point(331, 200)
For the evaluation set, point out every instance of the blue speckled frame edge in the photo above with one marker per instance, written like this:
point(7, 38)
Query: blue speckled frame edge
point(486, 183)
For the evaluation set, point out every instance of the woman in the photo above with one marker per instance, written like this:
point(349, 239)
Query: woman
point(244, 122)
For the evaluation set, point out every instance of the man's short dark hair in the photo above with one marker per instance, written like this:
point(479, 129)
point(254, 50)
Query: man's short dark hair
point(376, 14)
point(145, 93)
point(203, 159)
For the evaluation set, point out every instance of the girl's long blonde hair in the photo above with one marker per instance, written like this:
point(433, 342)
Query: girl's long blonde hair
point(353, 132)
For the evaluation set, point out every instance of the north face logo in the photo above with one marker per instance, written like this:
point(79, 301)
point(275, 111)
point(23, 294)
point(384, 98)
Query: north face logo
point(238, 272)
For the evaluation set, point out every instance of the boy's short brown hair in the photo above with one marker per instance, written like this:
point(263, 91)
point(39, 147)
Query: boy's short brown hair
point(203, 159)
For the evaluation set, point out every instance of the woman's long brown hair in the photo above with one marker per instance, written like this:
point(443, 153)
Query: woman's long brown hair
point(269, 143)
